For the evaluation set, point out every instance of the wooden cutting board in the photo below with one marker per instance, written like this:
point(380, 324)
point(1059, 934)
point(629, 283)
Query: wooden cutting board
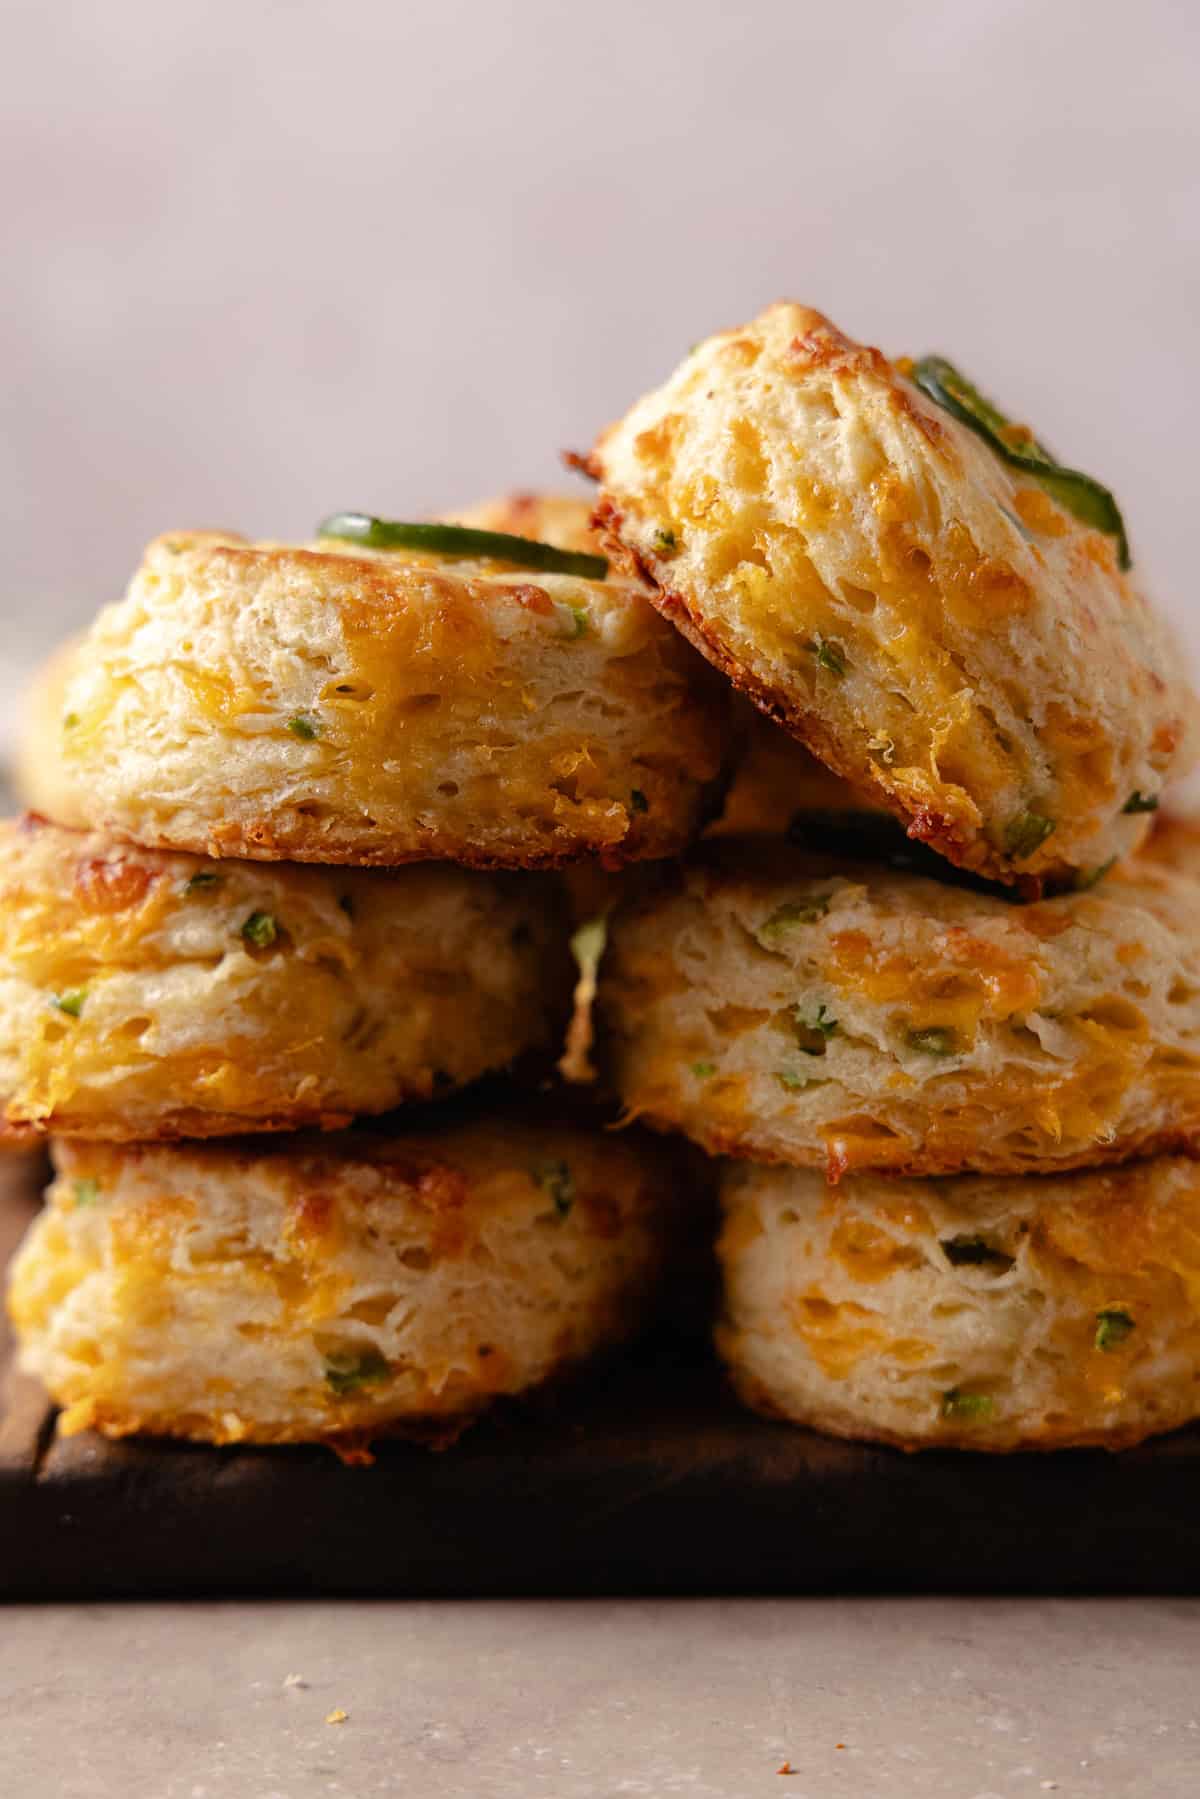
point(646, 1478)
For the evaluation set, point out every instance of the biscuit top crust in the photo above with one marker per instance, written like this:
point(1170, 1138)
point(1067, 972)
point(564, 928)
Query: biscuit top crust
point(925, 617)
point(459, 1178)
point(362, 584)
point(335, 703)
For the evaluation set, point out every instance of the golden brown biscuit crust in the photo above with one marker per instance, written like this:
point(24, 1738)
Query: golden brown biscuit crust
point(148, 994)
point(932, 626)
point(982, 1313)
point(335, 1289)
point(272, 702)
point(794, 1009)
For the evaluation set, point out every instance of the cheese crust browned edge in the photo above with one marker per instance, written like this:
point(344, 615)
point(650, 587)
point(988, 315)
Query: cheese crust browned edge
point(1127, 1436)
point(806, 726)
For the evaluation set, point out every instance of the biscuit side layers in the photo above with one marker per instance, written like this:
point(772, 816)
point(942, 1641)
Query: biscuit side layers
point(328, 1288)
point(145, 994)
point(981, 1313)
point(785, 1008)
point(328, 705)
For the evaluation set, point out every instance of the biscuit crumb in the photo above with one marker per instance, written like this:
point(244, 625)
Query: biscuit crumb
point(337, 1717)
point(295, 1680)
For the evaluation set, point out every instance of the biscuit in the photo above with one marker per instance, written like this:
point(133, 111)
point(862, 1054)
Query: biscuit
point(147, 995)
point(337, 704)
point(924, 617)
point(326, 1288)
point(979, 1313)
point(793, 1009)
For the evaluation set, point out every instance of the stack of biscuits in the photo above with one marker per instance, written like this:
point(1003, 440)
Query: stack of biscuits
point(329, 784)
point(927, 991)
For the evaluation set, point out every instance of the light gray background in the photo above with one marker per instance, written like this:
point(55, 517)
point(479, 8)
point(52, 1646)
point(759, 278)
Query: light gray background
point(268, 258)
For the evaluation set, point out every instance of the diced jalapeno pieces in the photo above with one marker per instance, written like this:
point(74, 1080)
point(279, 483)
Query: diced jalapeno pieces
point(556, 1179)
point(1026, 833)
point(1086, 879)
point(967, 1406)
point(1113, 1327)
point(202, 882)
point(260, 930)
point(346, 1373)
point(813, 1033)
point(830, 656)
point(791, 916)
point(305, 728)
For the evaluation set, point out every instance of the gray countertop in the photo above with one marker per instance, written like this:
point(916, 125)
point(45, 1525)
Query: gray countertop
point(975, 1700)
